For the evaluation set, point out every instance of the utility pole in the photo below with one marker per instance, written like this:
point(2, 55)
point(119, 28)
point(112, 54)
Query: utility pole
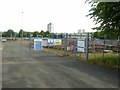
point(22, 25)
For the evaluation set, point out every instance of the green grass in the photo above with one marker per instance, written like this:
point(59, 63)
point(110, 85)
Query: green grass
point(54, 51)
point(109, 60)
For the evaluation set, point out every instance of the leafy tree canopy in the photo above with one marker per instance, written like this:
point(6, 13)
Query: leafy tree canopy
point(21, 33)
point(35, 33)
point(42, 33)
point(47, 33)
point(108, 15)
point(10, 33)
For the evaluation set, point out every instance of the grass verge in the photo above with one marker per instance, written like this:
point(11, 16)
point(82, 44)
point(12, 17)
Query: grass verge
point(109, 60)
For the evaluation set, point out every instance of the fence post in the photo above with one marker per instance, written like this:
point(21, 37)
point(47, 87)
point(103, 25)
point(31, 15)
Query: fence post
point(119, 45)
point(66, 44)
point(30, 41)
point(104, 48)
point(75, 46)
point(87, 46)
point(118, 53)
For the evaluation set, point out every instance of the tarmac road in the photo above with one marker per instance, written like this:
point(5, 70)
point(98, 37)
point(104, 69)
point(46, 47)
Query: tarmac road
point(25, 68)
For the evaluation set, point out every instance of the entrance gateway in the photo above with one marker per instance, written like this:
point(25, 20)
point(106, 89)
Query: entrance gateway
point(39, 43)
point(21, 47)
point(77, 44)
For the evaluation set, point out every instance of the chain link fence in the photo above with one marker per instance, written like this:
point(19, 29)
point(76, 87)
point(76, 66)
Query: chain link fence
point(104, 52)
point(100, 51)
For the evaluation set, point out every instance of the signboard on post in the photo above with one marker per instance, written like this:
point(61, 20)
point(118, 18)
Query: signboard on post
point(38, 44)
point(45, 42)
point(57, 41)
point(81, 45)
point(50, 41)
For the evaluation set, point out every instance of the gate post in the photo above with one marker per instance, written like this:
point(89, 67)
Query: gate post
point(65, 44)
point(87, 46)
point(30, 41)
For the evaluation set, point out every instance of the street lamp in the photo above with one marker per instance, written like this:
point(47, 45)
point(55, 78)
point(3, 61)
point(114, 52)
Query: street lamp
point(22, 25)
point(21, 35)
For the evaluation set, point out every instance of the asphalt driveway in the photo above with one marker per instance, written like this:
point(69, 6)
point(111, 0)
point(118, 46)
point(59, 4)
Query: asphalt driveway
point(25, 68)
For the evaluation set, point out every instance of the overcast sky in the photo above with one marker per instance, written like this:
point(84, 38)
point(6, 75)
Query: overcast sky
point(66, 15)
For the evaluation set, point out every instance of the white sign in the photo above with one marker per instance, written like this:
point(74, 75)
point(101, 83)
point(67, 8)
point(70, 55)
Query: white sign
point(50, 41)
point(38, 44)
point(81, 45)
point(37, 40)
point(57, 41)
point(45, 42)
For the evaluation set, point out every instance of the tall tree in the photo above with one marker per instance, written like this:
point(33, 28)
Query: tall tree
point(24, 34)
point(21, 33)
point(28, 34)
point(47, 33)
point(108, 15)
point(42, 33)
point(4, 34)
point(10, 33)
point(35, 33)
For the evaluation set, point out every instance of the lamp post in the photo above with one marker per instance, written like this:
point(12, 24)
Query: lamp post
point(21, 34)
point(22, 25)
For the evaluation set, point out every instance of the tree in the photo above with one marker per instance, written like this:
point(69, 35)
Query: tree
point(28, 34)
point(98, 35)
point(24, 34)
point(108, 15)
point(35, 33)
point(10, 33)
point(42, 33)
point(21, 33)
point(16, 34)
point(61, 35)
point(47, 33)
point(4, 34)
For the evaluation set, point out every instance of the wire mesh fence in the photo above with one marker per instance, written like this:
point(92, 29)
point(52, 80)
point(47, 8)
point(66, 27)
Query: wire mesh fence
point(100, 51)
point(105, 52)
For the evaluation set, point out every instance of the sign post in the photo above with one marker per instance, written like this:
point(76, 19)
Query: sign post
point(81, 45)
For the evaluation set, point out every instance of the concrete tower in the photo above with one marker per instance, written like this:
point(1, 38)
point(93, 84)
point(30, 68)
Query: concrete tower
point(50, 28)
